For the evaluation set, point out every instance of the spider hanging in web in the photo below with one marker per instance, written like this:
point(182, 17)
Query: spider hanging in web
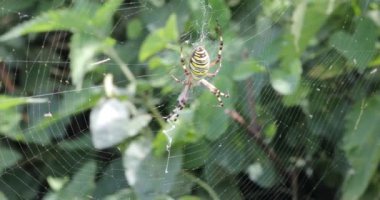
point(195, 73)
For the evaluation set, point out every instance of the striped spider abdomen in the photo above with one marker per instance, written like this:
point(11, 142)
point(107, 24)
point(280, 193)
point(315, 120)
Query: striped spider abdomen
point(199, 63)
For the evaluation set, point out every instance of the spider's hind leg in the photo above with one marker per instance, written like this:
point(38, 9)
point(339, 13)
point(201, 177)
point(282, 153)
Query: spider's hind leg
point(182, 99)
point(215, 91)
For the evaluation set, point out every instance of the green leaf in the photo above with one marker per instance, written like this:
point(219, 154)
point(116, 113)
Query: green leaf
point(287, 76)
point(10, 124)
point(145, 172)
point(112, 181)
point(307, 19)
point(299, 97)
point(121, 195)
point(78, 143)
point(159, 39)
point(7, 102)
point(46, 127)
point(362, 146)
point(358, 48)
point(246, 69)
point(208, 110)
point(228, 154)
point(18, 183)
point(84, 47)
point(223, 15)
point(64, 20)
point(110, 123)
point(8, 157)
point(2, 196)
point(263, 173)
point(81, 185)
point(134, 28)
point(57, 183)
point(104, 15)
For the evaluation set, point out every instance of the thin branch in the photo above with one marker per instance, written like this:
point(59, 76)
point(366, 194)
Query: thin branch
point(294, 183)
point(252, 107)
point(267, 150)
point(123, 66)
point(5, 78)
point(156, 114)
point(202, 184)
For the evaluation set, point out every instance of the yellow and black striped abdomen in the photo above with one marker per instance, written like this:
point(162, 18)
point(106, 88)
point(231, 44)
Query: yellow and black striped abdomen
point(199, 63)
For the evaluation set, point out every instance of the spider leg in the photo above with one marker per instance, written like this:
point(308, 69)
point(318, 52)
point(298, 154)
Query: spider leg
point(219, 56)
point(215, 91)
point(183, 63)
point(177, 80)
point(182, 99)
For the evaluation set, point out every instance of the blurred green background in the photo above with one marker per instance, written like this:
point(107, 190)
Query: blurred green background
point(85, 86)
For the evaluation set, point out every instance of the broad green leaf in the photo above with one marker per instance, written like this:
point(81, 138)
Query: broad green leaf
point(110, 123)
point(246, 69)
point(195, 155)
point(57, 183)
point(104, 15)
point(84, 47)
point(159, 39)
point(188, 197)
point(145, 172)
point(223, 15)
point(228, 155)
point(222, 182)
point(359, 47)
point(49, 121)
point(2, 196)
point(10, 124)
point(7, 102)
point(75, 20)
point(121, 195)
point(308, 18)
point(112, 180)
point(59, 163)
point(263, 173)
point(78, 143)
point(299, 97)
point(362, 146)
point(8, 157)
point(209, 111)
point(286, 77)
point(18, 183)
point(81, 185)
point(134, 29)
point(64, 20)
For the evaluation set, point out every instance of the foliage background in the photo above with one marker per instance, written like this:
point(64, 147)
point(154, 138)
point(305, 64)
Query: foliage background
point(302, 121)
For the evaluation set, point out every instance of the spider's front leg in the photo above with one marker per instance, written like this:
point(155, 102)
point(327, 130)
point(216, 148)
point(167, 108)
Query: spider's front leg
point(215, 91)
point(219, 56)
point(183, 63)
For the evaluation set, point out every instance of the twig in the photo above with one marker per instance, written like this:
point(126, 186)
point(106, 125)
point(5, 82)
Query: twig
point(202, 184)
point(4, 77)
point(267, 150)
point(124, 67)
point(294, 183)
point(156, 114)
point(252, 108)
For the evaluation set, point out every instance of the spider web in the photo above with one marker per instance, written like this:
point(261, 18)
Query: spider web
point(263, 144)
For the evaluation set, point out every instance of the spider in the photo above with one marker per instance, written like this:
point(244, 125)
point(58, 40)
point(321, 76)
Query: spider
point(195, 73)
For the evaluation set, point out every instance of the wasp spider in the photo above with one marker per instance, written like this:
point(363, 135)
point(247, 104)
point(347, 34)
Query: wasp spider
point(195, 73)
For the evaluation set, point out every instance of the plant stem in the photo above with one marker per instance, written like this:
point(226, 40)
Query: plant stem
point(202, 184)
point(123, 66)
point(156, 114)
point(259, 140)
